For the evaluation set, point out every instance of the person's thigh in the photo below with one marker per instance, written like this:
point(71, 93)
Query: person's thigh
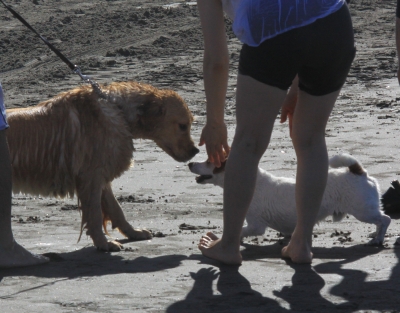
point(257, 106)
point(310, 118)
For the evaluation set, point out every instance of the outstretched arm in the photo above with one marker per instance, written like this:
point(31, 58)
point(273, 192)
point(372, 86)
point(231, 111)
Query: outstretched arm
point(215, 70)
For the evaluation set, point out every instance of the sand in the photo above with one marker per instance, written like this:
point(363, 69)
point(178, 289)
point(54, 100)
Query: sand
point(154, 42)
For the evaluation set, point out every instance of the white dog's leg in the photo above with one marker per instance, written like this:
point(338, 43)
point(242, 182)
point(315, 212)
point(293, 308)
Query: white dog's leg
point(253, 229)
point(381, 229)
point(381, 221)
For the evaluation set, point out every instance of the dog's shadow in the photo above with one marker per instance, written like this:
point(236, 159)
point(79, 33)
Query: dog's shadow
point(90, 262)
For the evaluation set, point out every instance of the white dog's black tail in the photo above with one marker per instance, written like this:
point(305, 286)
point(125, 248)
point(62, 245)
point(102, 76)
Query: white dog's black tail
point(346, 160)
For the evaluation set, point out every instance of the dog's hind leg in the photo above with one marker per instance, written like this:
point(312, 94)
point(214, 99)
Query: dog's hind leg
point(112, 212)
point(89, 195)
point(381, 228)
point(382, 223)
point(253, 229)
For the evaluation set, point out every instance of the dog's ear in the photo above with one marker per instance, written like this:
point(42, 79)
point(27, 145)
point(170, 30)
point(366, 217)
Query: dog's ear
point(151, 108)
point(149, 113)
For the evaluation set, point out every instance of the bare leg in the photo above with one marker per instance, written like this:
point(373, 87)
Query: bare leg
point(11, 253)
point(257, 106)
point(308, 135)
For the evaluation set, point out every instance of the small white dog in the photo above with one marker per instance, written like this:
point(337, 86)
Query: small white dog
point(349, 190)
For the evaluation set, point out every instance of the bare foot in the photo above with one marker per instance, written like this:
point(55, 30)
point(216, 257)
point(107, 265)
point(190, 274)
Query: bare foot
point(298, 253)
point(17, 256)
point(212, 247)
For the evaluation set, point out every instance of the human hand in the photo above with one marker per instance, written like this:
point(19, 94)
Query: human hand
point(215, 137)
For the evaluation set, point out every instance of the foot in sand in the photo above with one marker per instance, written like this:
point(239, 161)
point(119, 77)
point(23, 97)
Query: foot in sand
point(298, 253)
point(212, 247)
point(17, 256)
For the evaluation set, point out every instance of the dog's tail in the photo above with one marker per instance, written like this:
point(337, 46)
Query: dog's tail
point(346, 160)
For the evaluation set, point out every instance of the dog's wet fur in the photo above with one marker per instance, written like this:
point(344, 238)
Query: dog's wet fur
point(77, 143)
point(349, 190)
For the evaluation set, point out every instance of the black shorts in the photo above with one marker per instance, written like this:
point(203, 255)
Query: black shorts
point(321, 54)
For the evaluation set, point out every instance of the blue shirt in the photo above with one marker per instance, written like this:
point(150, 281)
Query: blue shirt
point(259, 20)
point(3, 121)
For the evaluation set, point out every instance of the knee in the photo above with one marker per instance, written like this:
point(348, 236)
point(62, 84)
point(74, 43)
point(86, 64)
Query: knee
point(250, 145)
point(306, 141)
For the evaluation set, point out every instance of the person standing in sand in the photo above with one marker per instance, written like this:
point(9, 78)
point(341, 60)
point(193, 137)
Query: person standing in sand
point(307, 46)
point(11, 253)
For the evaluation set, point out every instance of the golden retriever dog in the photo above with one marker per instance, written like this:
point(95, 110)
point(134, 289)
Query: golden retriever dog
point(77, 142)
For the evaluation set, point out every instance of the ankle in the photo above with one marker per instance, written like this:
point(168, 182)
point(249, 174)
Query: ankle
point(231, 244)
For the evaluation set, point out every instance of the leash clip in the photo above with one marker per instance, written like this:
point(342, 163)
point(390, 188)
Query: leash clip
point(87, 79)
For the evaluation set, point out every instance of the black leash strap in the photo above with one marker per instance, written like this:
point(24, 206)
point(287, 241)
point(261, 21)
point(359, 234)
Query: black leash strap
point(72, 66)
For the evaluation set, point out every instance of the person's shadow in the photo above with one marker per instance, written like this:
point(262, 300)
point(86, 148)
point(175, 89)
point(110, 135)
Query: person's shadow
point(89, 262)
point(353, 292)
point(234, 294)
point(305, 292)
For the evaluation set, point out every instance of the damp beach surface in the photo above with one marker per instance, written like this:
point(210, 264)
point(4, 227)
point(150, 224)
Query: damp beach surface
point(159, 42)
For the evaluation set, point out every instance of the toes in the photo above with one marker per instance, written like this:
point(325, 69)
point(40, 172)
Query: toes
point(302, 256)
point(285, 253)
point(204, 241)
point(212, 236)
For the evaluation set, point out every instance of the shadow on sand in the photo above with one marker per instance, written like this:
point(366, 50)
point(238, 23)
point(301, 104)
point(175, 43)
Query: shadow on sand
point(235, 293)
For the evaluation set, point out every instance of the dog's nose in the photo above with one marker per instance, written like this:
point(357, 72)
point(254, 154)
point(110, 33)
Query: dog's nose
point(194, 151)
point(190, 165)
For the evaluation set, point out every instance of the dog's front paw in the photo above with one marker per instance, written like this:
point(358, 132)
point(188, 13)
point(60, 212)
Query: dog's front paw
point(110, 246)
point(397, 241)
point(138, 234)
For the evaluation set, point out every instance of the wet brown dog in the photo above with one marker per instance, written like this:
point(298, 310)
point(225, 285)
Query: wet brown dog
point(77, 143)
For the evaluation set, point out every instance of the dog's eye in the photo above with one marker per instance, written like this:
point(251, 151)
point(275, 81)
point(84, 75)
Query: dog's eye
point(183, 127)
